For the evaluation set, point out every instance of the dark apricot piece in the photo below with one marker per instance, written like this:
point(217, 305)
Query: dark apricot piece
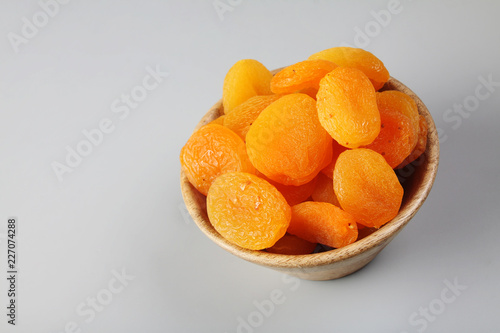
point(421, 144)
point(290, 244)
point(337, 149)
point(293, 194)
point(323, 192)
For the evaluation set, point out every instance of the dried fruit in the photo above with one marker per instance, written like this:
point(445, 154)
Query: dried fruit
point(293, 194)
point(363, 60)
point(242, 117)
point(323, 192)
point(367, 187)
point(347, 107)
point(421, 144)
point(324, 223)
point(211, 151)
point(247, 210)
point(396, 139)
point(287, 143)
point(337, 149)
point(247, 78)
point(290, 244)
point(218, 121)
point(302, 75)
point(399, 101)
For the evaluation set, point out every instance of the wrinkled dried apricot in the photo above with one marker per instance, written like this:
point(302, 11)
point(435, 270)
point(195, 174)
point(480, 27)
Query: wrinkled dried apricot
point(287, 143)
point(337, 149)
point(291, 244)
point(245, 79)
point(347, 107)
point(367, 187)
point(399, 101)
point(293, 194)
point(324, 223)
point(323, 192)
point(396, 139)
point(363, 60)
point(242, 116)
point(247, 210)
point(211, 151)
point(302, 75)
point(421, 144)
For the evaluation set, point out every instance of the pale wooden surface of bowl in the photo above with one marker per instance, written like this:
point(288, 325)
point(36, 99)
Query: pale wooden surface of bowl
point(338, 262)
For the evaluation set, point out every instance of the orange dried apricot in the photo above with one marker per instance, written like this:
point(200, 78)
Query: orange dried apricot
point(421, 144)
point(287, 142)
point(219, 120)
point(290, 244)
point(402, 103)
point(363, 60)
point(247, 210)
point(337, 149)
point(367, 187)
point(211, 151)
point(324, 223)
point(302, 75)
point(311, 92)
point(347, 107)
point(323, 192)
point(242, 116)
point(245, 79)
point(293, 194)
point(396, 139)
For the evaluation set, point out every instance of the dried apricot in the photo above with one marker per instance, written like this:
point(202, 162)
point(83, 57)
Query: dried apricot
point(367, 187)
point(219, 120)
point(302, 75)
point(421, 144)
point(242, 116)
point(347, 107)
point(337, 149)
point(363, 60)
point(211, 151)
point(290, 244)
point(287, 142)
point(311, 92)
point(402, 103)
point(396, 139)
point(247, 210)
point(324, 223)
point(245, 79)
point(323, 192)
point(293, 194)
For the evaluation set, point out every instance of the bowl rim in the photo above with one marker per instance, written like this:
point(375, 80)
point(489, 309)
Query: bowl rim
point(197, 207)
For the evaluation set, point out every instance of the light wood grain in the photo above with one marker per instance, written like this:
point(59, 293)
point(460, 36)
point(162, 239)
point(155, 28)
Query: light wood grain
point(338, 262)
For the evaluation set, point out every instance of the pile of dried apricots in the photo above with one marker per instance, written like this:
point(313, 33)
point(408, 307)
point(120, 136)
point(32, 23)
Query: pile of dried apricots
point(305, 156)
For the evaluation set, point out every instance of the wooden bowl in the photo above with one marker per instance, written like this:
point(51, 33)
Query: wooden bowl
point(336, 263)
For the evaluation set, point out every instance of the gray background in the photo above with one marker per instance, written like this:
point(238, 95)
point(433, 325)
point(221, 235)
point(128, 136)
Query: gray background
point(120, 210)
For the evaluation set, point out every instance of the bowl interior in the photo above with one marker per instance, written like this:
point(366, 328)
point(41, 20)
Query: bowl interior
point(416, 178)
